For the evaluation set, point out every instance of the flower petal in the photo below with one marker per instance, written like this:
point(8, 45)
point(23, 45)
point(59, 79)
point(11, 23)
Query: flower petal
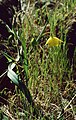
point(53, 41)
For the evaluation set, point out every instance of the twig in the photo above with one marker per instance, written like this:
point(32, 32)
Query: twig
point(70, 102)
point(67, 107)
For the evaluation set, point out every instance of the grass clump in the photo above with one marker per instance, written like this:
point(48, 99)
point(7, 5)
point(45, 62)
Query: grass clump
point(43, 71)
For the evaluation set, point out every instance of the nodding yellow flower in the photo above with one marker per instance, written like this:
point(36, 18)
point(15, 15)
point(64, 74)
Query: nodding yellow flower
point(53, 41)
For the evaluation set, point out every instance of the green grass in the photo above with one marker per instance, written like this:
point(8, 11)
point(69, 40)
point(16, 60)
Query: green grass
point(43, 70)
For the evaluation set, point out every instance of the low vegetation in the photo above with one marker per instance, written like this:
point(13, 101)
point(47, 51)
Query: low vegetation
point(44, 82)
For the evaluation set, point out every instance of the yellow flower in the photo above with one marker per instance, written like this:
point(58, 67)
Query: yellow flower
point(53, 41)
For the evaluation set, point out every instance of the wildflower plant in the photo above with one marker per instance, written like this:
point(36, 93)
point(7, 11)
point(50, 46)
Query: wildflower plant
point(53, 41)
